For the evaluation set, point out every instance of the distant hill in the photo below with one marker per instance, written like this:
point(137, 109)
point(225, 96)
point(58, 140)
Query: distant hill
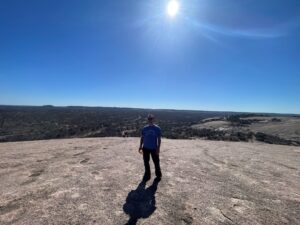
point(20, 123)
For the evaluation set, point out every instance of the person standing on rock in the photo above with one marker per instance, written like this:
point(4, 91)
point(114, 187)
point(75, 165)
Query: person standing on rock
point(150, 145)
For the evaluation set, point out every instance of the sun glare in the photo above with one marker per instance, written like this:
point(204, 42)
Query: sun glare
point(172, 8)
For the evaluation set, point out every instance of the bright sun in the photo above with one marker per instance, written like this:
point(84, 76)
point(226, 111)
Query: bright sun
point(172, 8)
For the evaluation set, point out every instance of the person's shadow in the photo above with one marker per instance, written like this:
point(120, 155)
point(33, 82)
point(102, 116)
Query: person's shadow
point(140, 203)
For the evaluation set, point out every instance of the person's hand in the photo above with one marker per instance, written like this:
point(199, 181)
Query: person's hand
point(140, 150)
point(157, 151)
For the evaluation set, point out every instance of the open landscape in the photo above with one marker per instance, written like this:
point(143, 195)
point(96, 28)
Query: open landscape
point(20, 123)
point(206, 90)
point(97, 181)
point(218, 167)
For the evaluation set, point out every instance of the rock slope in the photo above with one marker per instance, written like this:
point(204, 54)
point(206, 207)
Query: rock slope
point(98, 181)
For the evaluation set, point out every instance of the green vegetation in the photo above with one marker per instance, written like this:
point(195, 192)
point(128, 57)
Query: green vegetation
point(21, 123)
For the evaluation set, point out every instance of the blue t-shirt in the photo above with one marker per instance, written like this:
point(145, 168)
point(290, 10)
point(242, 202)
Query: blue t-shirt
point(150, 133)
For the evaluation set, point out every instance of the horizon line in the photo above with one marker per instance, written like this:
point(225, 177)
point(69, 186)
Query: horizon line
point(146, 108)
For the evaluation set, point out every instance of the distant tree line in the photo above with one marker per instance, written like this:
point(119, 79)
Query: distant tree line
point(48, 122)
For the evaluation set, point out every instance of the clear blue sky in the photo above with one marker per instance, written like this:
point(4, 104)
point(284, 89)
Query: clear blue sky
point(212, 55)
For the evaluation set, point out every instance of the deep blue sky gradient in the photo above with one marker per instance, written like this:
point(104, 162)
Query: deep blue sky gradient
point(214, 55)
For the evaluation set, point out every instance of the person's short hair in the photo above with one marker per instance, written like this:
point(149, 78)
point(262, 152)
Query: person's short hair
point(150, 117)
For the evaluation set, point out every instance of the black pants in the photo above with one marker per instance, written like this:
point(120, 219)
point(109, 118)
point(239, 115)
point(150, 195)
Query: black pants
point(155, 158)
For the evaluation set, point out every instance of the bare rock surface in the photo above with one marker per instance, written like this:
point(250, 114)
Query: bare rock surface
point(98, 181)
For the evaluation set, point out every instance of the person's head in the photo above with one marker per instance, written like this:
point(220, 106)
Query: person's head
point(150, 118)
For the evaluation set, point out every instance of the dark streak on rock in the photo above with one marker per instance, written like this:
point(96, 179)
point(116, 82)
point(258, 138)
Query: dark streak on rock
point(37, 173)
point(187, 219)
point(84, 161)
point(9, 207)
point(80, 153)
point(227, 217)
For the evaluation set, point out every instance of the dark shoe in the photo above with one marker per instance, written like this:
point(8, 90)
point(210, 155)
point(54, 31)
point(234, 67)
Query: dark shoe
point(158, 174)
point(157, 179)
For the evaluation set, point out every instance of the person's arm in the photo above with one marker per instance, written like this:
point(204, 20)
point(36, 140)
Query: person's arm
point(158, 144)
point(158, 140)
point(141, 144)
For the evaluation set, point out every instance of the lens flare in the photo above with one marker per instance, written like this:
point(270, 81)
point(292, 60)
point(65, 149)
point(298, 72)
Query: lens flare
point(172, 8)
